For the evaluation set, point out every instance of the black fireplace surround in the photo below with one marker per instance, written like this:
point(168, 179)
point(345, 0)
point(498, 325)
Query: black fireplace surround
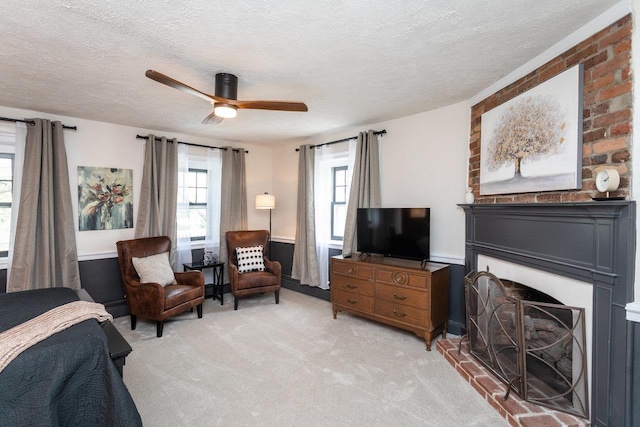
point(593, 242)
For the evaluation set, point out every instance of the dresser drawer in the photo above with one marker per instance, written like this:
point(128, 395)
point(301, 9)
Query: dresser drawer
point(402, 295)
point(352, 269)
point(403, 278)
point(351, 284)
point(401, 313)
point(352, 301)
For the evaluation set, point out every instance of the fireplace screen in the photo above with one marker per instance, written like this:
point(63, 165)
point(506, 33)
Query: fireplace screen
point(532, 342)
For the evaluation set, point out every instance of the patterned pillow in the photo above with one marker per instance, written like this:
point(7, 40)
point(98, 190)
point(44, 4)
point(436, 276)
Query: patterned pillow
point(155, 269)
point(250, 259)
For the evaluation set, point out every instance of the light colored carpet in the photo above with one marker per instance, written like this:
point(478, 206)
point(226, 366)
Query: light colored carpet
point(292, 364)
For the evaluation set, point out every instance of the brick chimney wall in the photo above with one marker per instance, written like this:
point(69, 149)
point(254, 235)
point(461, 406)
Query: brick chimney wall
point(606, 140)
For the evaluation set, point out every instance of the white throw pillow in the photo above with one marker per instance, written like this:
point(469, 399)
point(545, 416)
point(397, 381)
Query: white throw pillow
point(155, 269)
point(250, 259)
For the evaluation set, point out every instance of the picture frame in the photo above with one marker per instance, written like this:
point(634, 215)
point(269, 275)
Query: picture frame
point(533, 142)
point(105, 198)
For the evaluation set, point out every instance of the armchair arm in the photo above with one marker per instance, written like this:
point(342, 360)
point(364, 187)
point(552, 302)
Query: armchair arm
point(274, 267)
point(233, 277)
point(144, 297)
point(190, 278)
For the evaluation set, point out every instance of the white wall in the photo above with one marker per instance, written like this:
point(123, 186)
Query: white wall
point(285, 187)
point(423, 163)
point(110, 145)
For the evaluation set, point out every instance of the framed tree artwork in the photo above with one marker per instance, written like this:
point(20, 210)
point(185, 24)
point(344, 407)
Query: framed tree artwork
point(105, 198)
point(533, 142)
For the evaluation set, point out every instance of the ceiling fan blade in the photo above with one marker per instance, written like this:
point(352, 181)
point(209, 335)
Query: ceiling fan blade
point(166, 80)
point(228, 87)
point(212, 119)
point(270, 105)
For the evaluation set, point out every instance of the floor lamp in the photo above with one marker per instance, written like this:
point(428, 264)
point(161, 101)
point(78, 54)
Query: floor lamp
point(266, 201)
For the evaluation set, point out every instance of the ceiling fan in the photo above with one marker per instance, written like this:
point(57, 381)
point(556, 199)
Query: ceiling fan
point(225, 101)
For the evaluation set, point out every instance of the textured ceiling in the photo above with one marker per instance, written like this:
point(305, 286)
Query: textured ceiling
point(352, 62)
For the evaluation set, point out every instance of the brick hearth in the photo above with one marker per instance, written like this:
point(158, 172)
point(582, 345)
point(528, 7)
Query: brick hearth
point(516, 411)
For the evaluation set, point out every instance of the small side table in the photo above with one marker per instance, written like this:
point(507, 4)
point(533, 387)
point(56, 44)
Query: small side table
point(217, 284)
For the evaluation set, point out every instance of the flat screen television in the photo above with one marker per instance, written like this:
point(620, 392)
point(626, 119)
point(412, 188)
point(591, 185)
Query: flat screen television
point(394, 232)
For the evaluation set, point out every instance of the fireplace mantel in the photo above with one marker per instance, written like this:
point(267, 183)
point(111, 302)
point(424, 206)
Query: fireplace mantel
point(593, 242)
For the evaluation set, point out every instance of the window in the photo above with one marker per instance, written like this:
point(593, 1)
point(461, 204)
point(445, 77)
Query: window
point(333, 168)
point(199, 186)
point(339, 202)
point(6, 197)
point(197, 195)
point(332, 181)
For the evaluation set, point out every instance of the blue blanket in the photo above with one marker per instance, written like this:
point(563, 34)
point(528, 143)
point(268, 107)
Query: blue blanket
point(67, 379)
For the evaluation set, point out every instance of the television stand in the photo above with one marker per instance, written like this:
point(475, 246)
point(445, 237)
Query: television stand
point(410, 295)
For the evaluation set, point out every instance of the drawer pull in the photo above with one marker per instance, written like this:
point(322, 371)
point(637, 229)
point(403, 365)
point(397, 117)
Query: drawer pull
point(399, 314)
point(352, 301)
point(350, 286)
point(402, 298)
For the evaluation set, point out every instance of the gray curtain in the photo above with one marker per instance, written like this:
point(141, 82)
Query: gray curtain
point(44, 252)
point(159, 192)
point(365, 186)
point(233, 198)
point(305, 259)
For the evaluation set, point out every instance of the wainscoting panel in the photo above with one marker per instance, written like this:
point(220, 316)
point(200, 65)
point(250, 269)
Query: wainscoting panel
point(283, 252)
point(457, 312)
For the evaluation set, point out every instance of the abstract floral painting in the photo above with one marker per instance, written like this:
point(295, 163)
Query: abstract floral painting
point(533, 142)
point(105, 198)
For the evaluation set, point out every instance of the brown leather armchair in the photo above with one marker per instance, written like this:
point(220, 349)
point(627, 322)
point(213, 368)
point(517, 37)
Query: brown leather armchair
point(256, 281)
point(152, 300)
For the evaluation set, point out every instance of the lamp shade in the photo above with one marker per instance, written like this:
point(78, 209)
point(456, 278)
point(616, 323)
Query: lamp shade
point(265, 201)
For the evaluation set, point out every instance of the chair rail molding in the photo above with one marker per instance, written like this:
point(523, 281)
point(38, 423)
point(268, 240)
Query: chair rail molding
point(633, 311)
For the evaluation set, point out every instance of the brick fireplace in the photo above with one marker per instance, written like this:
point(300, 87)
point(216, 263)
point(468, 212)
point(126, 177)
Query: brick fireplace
point(564, 232)
point(591, 242)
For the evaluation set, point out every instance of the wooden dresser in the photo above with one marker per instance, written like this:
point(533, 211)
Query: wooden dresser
point(393, 291)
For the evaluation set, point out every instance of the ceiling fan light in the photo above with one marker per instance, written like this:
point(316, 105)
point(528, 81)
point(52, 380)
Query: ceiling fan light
point(225, 111)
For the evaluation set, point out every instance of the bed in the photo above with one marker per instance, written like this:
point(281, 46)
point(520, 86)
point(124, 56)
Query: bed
point(67, 379)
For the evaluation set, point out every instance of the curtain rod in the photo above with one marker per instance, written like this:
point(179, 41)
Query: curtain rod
point(378, 132)
point(192, 144)
point(31, 122)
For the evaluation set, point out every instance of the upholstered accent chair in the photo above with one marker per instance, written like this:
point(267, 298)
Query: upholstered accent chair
point(150, 299)
point(254, 279)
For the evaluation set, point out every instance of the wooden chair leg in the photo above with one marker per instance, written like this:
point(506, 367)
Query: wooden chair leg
point(133, 321)
point(159, 325)
point(277, 297)
point(199, 309)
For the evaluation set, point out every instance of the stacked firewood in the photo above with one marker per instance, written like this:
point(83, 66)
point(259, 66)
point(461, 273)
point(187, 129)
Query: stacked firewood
point(550, 341)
